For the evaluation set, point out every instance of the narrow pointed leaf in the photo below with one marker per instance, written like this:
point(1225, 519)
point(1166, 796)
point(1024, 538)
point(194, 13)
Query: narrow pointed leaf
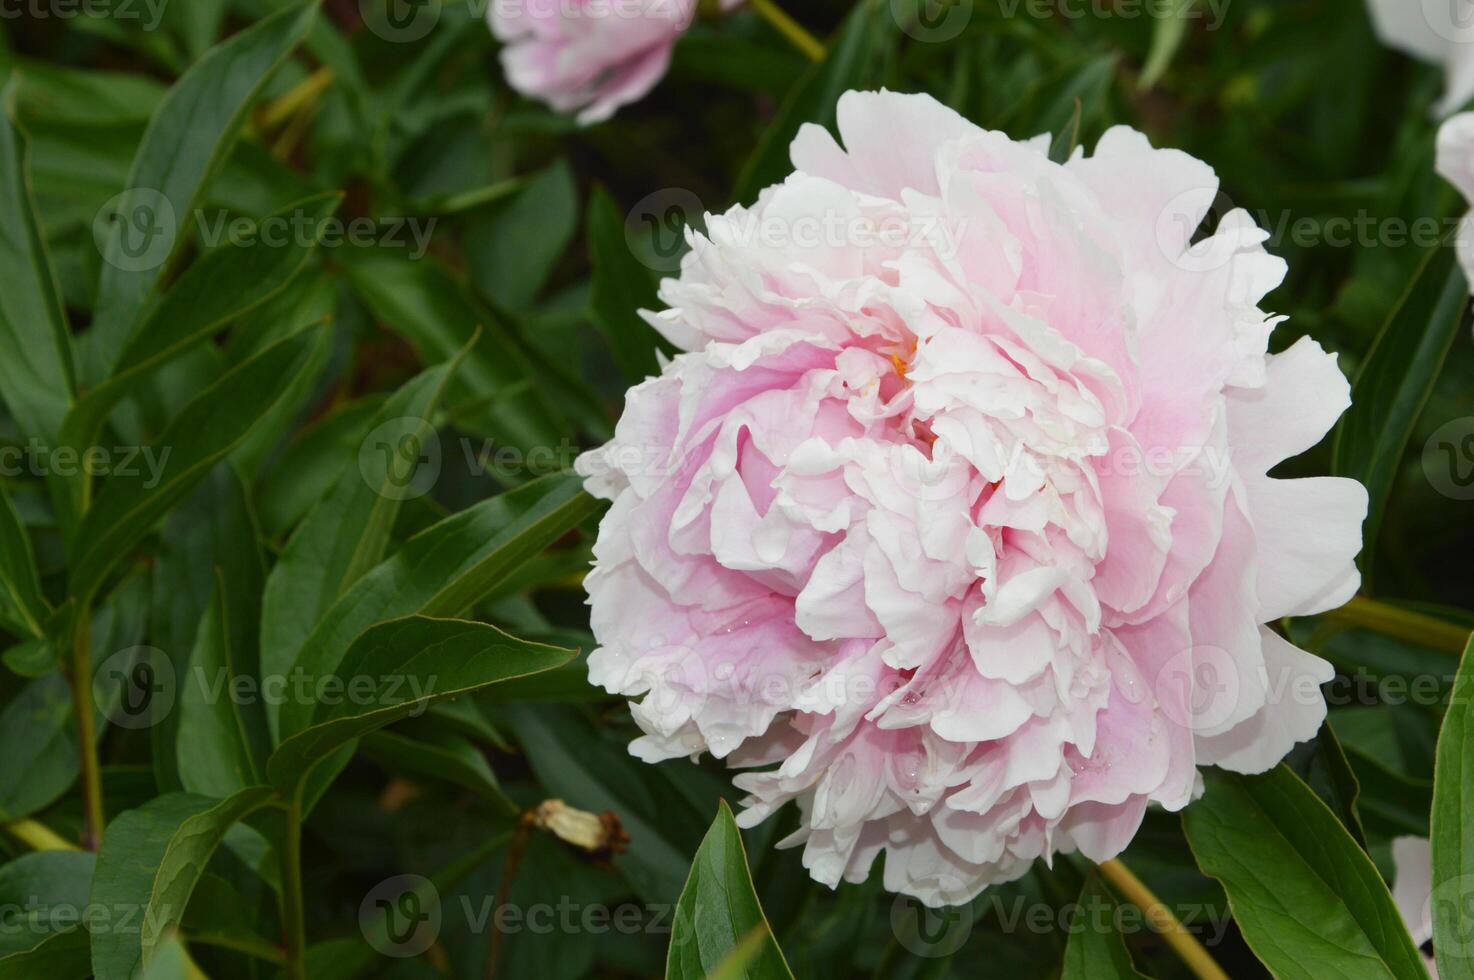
point(1309, 901)
point(444, 570)
point(1452, 835)
point(36, 381)
point(348, 531)
point(187, 141)
point(1395, 381)
point(398, 669)
point(213, 750)
point(150, 862)
point(719, 909)
point(228, 283)
point(205, 432)
point(1096, 950)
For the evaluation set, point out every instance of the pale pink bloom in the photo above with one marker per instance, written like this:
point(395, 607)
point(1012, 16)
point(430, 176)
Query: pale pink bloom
point(1440, 32)
point(1412, 890)
point(590, 56)
point(1455, 162)
point(952, 522)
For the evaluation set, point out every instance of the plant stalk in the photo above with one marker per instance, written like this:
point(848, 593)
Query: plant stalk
point(38, 837)
point(294, 919)
point(1184, 943)
point(80, 676)
point(1405, 624)
point(791, 29)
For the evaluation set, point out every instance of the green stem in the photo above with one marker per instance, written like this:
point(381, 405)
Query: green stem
point(294, 920)
point(259, 948)
point(1183, 943)
point(1405, 624)
point(38, 837)
point(81, 677)
point(791, 29)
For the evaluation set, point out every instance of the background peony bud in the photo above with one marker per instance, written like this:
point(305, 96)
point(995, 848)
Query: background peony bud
point(952, 521)
point(1440, 32)
point(589, 56)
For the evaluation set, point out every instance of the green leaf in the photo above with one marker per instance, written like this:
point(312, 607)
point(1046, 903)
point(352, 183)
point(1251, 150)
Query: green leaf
point(211, 535)
point(205, 432)
point(348, 531)
point(170, 962)
point(1329, 773)
point(718, 909)
point(1309, 901)
point(213, 749)
point(22, 608)
point(396, 670)
point(228, 283)
point(151, 859)
point(847, 66)
point(444, 570)
point(50, 93)
point(310, 466)
point(496, 391)
point(1395, 381)
point(312, 299)
point(439, 755)
point(40, 941)
point(36, 380)
point(1452, 832)
point(1096, 951)
point(186, 143)
point(1168, 29)
point(198, 23)
point(37, 731)
point(513, 247)
point(622, 287)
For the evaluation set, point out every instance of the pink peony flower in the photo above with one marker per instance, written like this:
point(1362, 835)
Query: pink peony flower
point(952, 521)
point(1440, 32)
point(1455, 162)
point(589, 55)
point(1412, 890)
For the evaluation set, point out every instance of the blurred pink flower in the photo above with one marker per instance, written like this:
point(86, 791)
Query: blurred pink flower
point(952, 523)
point(1455, 163)
point(1440, 32)
point(592, 56)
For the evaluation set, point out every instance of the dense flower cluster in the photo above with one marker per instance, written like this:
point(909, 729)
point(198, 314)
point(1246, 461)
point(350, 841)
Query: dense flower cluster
point(962, 537)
